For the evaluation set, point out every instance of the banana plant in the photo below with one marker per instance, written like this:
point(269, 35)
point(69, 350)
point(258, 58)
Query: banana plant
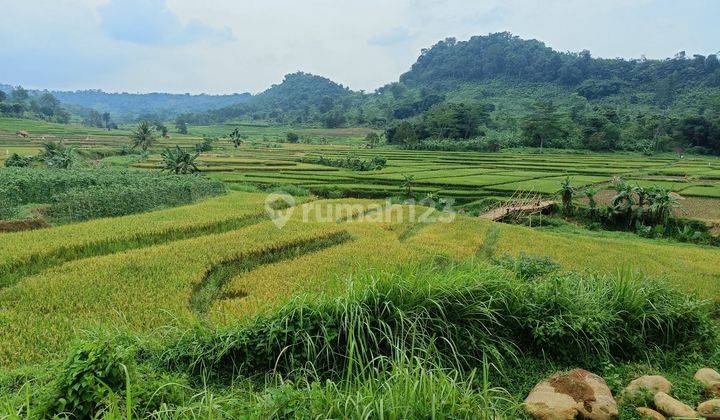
point(179, 161)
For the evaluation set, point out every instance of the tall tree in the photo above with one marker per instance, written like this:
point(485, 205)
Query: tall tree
point(542, 124)
point(93, 119)
point(181, 125)
point(106, 120)
point(20, 95)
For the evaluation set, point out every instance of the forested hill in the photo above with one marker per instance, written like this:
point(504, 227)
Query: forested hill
point(126, 107)
point(502, 55)
point(129, 106)
point(300, 98)
point(497, 69)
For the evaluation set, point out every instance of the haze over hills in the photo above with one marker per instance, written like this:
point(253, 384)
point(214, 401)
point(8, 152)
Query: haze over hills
point(499, 69)
point(440, 69)
point(598, 103)
point(125, 107)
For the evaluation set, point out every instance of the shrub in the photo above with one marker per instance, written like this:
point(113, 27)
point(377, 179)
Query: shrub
point(350, 161)
point(178, 161)
point(57, 155)
point(85, 194)
point(528, 266)
point(292, 137)
point(92, 372)
point(205, 146)
point(17, 161)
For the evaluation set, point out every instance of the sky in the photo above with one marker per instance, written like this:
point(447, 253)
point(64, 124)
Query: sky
point(227, 46)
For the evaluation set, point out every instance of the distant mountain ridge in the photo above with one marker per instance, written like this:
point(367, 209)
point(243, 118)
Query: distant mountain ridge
point(498, 68)
point(130, 106)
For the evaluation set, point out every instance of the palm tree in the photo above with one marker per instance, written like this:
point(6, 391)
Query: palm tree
point(236, 138)
point(566, 193)
point(143, 136)
point(179, 161)
point(408, 182)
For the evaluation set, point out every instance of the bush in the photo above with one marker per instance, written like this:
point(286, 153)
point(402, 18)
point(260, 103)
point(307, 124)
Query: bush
point(481, 144)
point(292, 137)
point(92, 372)
point(17, 161)
point(528, 266)
point(205, 146)
point(85, 194)
point(350, 161)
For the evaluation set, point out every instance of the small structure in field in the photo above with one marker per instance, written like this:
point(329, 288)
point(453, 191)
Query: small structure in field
point(521, 205)
point(22, 133)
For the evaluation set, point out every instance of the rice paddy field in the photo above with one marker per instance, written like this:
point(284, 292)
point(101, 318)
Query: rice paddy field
point(215, 272)
point(141, 272)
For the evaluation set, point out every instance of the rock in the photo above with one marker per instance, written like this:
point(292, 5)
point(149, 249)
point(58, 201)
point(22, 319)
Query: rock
point(649, 383)
point(545, 403)
point(707, 377)
point(577, 393)
point(672, 407)
point(713, 391)
point(648, 413)
point(710, 409)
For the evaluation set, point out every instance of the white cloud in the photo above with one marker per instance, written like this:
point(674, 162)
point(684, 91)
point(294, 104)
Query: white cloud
point(239, 45)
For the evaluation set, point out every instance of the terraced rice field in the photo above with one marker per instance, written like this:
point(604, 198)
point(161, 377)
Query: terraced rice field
point(222, 260)
point(465, 176)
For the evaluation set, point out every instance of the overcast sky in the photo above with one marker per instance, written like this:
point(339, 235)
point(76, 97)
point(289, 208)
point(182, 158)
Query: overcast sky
point(225, 46)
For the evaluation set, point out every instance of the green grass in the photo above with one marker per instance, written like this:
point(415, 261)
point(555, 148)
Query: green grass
point(452, 341)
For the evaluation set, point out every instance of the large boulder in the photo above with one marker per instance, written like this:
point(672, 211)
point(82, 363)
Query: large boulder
point(647, 383)
point(575, 394)
point(707, 376)
point(710, 409)
point(672, 407)
point(710, 380)
point(646, 413)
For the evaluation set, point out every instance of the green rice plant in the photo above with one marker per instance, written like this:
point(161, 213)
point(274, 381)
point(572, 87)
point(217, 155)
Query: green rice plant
point(459, 315)
point(217, 277)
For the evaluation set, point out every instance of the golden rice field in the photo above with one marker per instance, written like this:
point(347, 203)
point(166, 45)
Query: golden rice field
point(142, 272)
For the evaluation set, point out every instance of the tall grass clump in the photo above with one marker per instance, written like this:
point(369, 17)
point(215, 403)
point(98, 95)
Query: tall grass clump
point(460, 315)
point(423, 339)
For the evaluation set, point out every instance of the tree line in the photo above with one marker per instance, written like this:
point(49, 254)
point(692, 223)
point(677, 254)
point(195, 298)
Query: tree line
point(20, 103)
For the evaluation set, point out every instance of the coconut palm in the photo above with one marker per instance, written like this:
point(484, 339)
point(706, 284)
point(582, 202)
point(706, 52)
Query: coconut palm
point(179, 161)
point(143, 136)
